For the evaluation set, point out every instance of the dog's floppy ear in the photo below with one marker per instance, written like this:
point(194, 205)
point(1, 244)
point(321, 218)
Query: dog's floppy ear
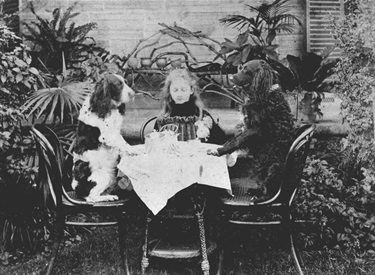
point(113, 85)
point(101, 101)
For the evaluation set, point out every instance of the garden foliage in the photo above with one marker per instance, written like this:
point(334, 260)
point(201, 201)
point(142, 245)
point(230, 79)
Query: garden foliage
point(337, 190)
point(19, 221)
point(56, 37)
point(339, 195)
point(336, 206)
point(17, 78)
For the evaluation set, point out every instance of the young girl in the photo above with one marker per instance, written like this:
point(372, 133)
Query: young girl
point(183, 106)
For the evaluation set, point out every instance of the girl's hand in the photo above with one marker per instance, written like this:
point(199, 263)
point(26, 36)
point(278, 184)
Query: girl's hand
point(203, 132)
point(208, 122)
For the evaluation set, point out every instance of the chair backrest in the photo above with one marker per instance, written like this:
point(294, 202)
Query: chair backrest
point(169, 127)
point(55, 164)
point(51, 161)
point(300, 130)
point(294, 164)
point(146, 128)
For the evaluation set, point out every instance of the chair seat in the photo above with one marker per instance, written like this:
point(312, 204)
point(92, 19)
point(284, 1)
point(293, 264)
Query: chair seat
point(240, 197)
point(73, 196)
point(178, 248)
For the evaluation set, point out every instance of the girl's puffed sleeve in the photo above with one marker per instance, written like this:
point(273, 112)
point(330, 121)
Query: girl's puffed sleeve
point(204, 127)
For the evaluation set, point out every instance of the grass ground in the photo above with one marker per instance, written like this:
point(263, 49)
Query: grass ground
point(251, 252)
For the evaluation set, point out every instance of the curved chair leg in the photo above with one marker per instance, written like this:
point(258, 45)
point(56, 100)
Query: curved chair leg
point(145, 262)
point(295, 254)
point(223, 235)
point(293, 248)
point(51, 262)
point(60, 224)
point(123, 250)
point(221, 260)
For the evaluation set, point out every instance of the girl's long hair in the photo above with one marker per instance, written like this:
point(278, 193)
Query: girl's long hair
point(192, 80)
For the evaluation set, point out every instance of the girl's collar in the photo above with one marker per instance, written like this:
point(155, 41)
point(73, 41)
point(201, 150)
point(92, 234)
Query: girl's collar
point(185, 109)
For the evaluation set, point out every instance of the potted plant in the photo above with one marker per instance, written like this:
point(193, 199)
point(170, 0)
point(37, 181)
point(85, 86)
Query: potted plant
point(312, 73)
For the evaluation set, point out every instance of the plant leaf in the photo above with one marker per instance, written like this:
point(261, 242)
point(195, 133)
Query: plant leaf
point(33, 71)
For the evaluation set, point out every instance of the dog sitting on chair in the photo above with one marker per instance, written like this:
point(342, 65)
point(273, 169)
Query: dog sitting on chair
point(99, 143)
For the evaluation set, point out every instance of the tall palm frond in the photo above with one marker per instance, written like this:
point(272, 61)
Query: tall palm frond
point(237, 21)
point(56, 17)
point(79, 33)
point(67, 16)
point(272, 18)
point(284, 27)
point(275, 13)
point(70, 30)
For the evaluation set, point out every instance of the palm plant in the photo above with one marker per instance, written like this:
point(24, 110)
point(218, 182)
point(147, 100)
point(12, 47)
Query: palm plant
point(57, 104)
point(262, 29)
point(53, 38)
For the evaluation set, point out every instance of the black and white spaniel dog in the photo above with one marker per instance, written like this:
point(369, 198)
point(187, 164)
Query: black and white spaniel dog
point(99, 143)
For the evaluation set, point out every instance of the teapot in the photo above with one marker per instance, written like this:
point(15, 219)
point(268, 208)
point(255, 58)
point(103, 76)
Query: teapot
point(153, 142)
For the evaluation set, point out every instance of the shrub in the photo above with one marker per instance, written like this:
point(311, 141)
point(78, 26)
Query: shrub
point(340, 199)
point(53, 39)
point(19, 193)
point(336, 208)
point(20, 196)
point(17, 78)
point(356, 73)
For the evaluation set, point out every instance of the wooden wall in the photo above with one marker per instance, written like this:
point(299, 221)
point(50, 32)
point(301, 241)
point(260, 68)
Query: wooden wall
point(122, 23)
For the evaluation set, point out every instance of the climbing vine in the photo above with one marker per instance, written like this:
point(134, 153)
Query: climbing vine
point(356, 37)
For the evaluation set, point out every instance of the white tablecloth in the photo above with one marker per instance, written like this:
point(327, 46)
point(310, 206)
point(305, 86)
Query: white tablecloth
point(159, 176)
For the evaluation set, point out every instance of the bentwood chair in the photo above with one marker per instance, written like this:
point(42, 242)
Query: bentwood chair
point(177, 233)
point(55, 166)
point(148, 126)
point(276, 210)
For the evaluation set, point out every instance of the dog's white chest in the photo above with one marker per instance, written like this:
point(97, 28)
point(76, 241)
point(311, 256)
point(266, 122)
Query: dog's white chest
point(109, 125)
